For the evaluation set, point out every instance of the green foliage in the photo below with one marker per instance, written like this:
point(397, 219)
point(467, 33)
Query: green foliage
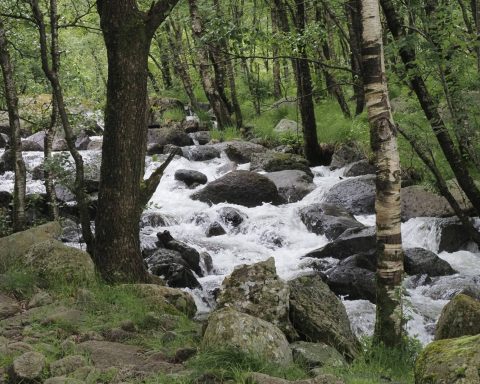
point(378, 364)
point(173, 114)
point(20, 283)
point(227, 134)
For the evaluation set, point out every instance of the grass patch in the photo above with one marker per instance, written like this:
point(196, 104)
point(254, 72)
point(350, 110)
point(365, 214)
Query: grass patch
point(227, 134)
point(173, 114)
point(379, 364)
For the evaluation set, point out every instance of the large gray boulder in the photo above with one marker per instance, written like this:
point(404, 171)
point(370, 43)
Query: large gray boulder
point(451, 361)
point(360, 168)
point(356, 195)
point(228, 327)
point(272, 161)
point(245, 188)
point(347, 153)
point(460, 317)
point(52, 260)
point(14, 247)
point(287, 126)
point(422, 261)
point(319, 316)
point(316, 354)
point(171, 134)
point(420, 202)
point(452, 236)
point(293, 185)
point(240, 151)
point(257, 290)
point(190, 177)
point(351, 242)
point(328, 220)
point(200, 153)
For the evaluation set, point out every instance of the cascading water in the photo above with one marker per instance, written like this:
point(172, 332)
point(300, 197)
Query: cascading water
point(277, 231)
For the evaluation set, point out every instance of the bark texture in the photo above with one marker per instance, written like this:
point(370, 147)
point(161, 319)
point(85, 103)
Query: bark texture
point(128, 33)
point(11, 98)
point(388, 327)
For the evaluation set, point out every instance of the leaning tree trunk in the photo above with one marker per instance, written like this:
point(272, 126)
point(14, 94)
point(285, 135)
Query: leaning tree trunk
point(52, 73)
point(128, 33)
point(383, 133)
point(19, 220)
point(430, 107)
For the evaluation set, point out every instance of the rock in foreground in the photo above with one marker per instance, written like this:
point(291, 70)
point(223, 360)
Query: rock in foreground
point(460, 317)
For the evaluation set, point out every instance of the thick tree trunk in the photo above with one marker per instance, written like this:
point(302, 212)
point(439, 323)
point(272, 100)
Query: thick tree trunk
point(52, 72)
point(19, 221)
point(388, 326)
point(220, 108)
point(127, 33)
point(277, 78)
point(430, 108)
point(312, 150)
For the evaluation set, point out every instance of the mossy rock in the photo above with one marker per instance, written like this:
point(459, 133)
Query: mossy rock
point(227, 327)
point(460, 317)
point(450, 361)
point(53, 260)
point(14, 247)
point(157, 294)
point(275, 161)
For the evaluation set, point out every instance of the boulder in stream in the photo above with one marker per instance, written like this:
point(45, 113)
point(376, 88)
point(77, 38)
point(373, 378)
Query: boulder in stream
point(356, 195)
point(272, 161)
point(293, 185)
point(245, 188)
point(328, 220)
point(347, 153)
point(190, 177)
point(422, 261)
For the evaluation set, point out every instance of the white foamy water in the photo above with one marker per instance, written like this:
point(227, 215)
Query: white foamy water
point(277, 231)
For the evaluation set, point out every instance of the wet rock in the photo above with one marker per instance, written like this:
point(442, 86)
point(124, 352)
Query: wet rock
point(274, 161)
point(347, 153)
point(449, 361)
point(292, 185)
point(52, 259)
point(287, 126)
point(258, 291)
point(71, 232)
point(67, 365)
point(8, 306)
point(154, 149)
point(27, 367)
point(350, 242)
point(155, 219)
point(453, 236)
point(171, 134)
point(422, 261)
point(190, 255)
point(240, 152)
point(356, 195)
point(201, 153)
point(420, 202)
point(353, 282)
point(82, 141)
point(239, 187)
point(215, 229)
point(202, 137)
point(4, 139)
point(247, 333)
point(5, 199)
point(316, 354)
point(170, 265)
point(8, 161)
point(190, 177)
point(328, 220)
point(38, 173)
point(360, 168)
point(31, 146)
point(319, 316)
point(14, 247)
point(231, 216)
point(95, 144)
point(207, 261)
point(460, 317)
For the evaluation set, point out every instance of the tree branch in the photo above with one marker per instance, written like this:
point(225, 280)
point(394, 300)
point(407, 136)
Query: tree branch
point(158, 13)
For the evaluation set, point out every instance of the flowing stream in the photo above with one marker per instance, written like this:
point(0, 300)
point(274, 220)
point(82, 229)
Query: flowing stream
point(278, 231)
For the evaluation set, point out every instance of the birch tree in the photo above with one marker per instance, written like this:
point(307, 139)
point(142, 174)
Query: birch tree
point(383, 137)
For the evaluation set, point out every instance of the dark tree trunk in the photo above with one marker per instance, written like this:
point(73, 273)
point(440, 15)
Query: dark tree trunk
point(127, 33)
point(305, 95)
point(277, 78)
point(52, 73)
point(19, 221)
point(165, 64)
point(47, 154)
point(430, 108)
